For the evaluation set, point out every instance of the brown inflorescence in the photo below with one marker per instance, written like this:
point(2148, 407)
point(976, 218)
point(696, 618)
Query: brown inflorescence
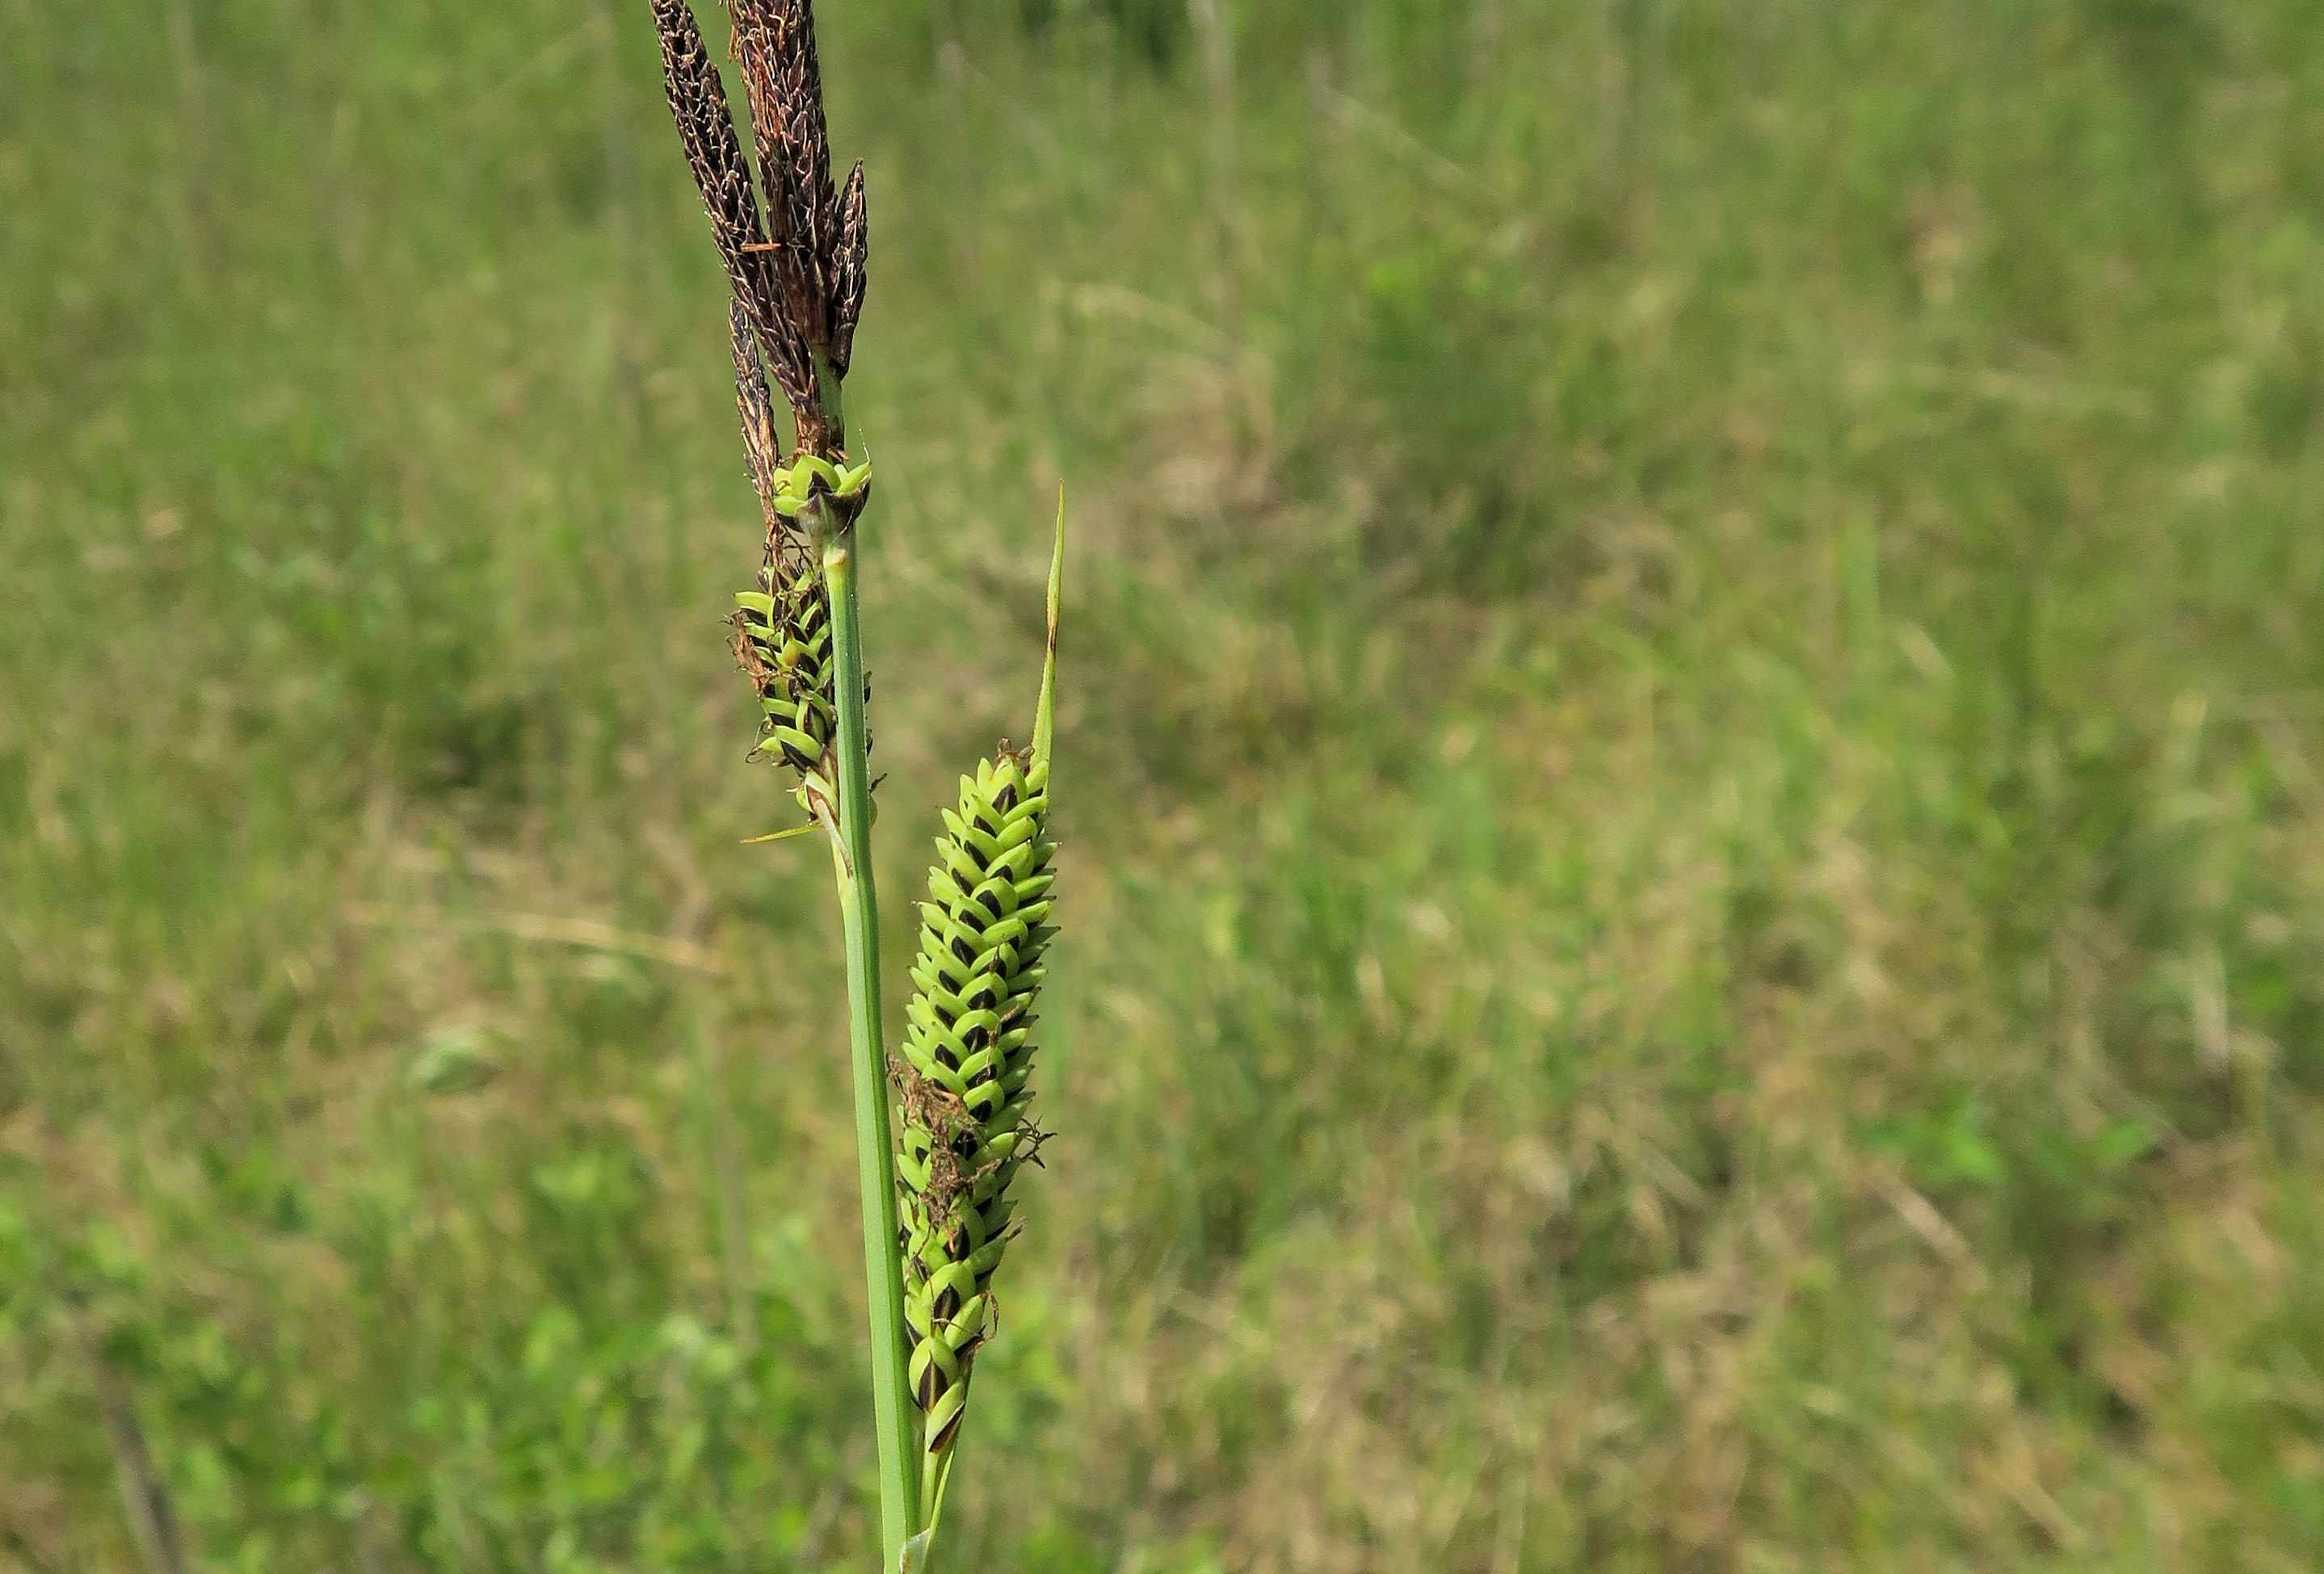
point(797, 265)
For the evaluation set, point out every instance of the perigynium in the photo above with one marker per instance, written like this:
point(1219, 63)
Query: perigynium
point(937, 1209)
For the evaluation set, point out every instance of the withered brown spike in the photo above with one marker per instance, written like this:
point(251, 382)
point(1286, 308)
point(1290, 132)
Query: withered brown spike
point(855, 247)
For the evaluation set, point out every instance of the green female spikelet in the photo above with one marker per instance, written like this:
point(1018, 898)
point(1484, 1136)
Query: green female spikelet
point(966, 1062)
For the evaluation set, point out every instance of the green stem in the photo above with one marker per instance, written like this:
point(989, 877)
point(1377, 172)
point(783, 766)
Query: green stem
point(876, 1147)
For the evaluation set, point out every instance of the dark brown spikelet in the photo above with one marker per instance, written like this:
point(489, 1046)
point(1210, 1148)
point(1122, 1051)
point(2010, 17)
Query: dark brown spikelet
point(797, 262)
point(855, 246)
point(774, 40)
point(697, 102)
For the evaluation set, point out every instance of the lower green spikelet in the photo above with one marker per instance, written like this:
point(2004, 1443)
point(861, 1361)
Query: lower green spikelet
point(782, 642)
point(782, 630)
point(963, 1071)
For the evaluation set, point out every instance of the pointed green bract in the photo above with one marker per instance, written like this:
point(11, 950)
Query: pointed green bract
point(1045, 714)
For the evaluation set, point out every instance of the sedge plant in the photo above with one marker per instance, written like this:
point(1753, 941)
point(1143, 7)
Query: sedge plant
point(944, 1126)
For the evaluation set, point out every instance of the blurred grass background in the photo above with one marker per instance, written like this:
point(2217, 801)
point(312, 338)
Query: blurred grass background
point(1693, 785)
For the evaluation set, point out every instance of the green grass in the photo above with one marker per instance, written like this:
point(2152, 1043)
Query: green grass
point(1697, 842)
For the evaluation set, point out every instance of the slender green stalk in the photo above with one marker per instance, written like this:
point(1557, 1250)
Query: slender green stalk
point(875, 1150)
